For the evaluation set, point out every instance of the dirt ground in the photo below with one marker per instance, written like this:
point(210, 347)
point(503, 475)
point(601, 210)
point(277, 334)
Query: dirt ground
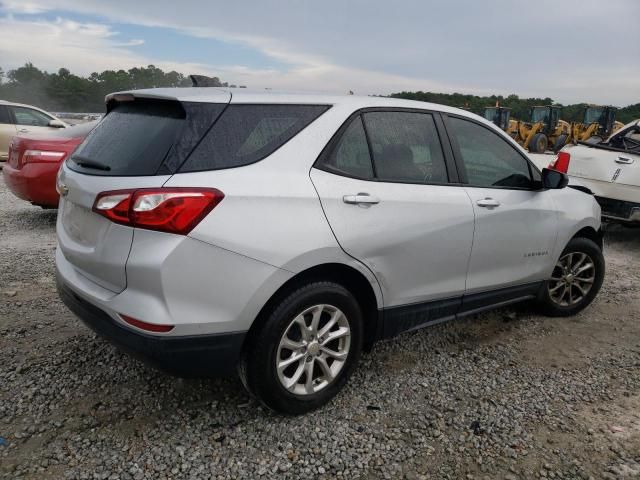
point(588, 429)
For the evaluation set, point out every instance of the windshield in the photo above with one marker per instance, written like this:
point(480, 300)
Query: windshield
point(490, 114)
point(540, 115)
point(592, 115)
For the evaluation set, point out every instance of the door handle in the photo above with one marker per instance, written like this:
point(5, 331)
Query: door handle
point(488, 203)
point(361, 199)
point(23, 130)
point(622, 159)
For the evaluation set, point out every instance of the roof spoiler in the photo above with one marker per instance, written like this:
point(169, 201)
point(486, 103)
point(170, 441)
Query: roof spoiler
point(204, 81)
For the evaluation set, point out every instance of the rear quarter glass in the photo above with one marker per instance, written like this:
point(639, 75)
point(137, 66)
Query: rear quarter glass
point(144, 138)
point(246, 134)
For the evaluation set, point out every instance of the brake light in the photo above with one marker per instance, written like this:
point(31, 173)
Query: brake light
point(37, 156)
point(561, 162)
point(172, 210)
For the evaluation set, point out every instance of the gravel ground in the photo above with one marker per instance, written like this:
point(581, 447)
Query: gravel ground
point(505, 395)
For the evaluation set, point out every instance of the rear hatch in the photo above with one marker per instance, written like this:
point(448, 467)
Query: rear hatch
point(140, 143)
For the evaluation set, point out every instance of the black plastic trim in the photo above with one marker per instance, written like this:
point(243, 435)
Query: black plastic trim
point(185, 356)
point(406, 318)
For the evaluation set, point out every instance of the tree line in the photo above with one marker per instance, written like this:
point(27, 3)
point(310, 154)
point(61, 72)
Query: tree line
point(519, 106)
point(65, 92)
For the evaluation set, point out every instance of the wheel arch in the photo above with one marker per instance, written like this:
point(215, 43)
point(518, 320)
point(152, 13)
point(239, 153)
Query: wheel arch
point(592, 234)
point(349, 277)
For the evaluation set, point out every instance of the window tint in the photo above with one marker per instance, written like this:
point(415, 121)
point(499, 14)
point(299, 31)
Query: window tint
point(245, 134)
point(28, 116)
point(4, 115)
point(132, 139)
point(350, 156)
point(406, 147)
point(488, 159)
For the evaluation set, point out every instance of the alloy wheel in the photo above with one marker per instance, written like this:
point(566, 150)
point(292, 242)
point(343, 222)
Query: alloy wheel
point(313, 349)
point(572, 279)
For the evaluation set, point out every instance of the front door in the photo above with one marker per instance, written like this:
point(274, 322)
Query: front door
point(516, 221)
point(7, 132)
point(31, 121)
point(386, 195)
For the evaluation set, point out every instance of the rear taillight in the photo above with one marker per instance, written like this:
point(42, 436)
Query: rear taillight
point(561, 162)
point(173, 210)
point(41, 156)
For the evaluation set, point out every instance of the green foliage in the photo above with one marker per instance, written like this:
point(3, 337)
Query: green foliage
point(64, 91)
point(629, 113)
point(519, 106)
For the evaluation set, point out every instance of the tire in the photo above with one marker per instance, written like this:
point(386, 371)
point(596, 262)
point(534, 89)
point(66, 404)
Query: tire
point(568, 295)
point(266, 346)
point(559, 143)
point(539, 143)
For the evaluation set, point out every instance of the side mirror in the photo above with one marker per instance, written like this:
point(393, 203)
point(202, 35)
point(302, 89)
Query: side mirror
point(552, 179)
point(56, 124)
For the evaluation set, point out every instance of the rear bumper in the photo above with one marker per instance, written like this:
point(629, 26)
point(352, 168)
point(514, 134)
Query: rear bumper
point(34, 182)
point(187, 356)
point(619, 210)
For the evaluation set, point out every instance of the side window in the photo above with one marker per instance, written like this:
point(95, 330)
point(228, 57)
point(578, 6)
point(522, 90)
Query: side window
point(4, 115)
point(30, 117)
point(245, 134)
point(350, 156)
point(488, 159)
point(406, 147)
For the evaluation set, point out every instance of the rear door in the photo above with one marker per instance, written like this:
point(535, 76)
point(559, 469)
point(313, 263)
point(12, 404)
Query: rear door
point(384, 186)
point(516, 222)
point(7, 131)
point(138, 144)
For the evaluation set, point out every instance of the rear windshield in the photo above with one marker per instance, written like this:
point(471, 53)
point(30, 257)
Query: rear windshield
point(132, 139)
point(152, 137)
point(246, 134)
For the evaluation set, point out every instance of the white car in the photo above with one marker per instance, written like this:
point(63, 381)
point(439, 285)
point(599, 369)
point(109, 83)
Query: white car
point(611, 170)
point(205, 229)
point(19, 119)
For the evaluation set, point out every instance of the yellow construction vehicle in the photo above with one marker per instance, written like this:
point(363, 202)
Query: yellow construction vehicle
point(598, 123)
point(544, 130)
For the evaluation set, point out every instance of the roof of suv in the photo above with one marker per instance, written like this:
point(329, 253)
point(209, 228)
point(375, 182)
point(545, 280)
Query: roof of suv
point(246, 95)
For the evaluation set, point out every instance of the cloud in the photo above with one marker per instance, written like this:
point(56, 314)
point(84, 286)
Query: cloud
point(581, 52)
point(19, 6)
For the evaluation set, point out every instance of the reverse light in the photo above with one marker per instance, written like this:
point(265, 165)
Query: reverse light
point(172, 210)
point(149, 327)
point(561, 162)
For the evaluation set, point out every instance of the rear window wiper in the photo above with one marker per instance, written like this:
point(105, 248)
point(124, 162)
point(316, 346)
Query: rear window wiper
point(86, 163)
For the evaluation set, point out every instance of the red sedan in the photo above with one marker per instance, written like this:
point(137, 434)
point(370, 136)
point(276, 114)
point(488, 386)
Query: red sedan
point(30, 173)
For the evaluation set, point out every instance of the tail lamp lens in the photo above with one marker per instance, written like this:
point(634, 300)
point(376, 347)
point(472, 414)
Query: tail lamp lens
point(561, 162)
point(173, 210)
point(34, 156)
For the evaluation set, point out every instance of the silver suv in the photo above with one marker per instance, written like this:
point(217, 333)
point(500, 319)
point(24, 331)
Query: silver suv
point(279, 235)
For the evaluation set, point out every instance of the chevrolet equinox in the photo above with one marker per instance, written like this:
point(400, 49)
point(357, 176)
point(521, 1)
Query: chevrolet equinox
point(208, 231)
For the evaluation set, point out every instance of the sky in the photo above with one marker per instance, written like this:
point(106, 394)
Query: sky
point(569, 50)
